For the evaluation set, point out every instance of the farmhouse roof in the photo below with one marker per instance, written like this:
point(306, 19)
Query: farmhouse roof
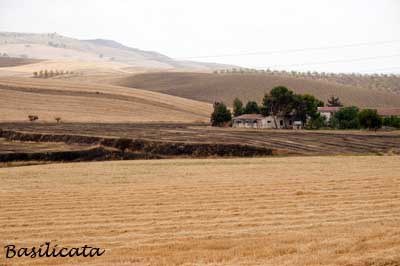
point(249, 116)
point(388, 111)
point(381, 111)
point(329, 109)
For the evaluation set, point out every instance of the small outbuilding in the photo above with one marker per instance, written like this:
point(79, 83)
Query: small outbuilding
point(328, 111)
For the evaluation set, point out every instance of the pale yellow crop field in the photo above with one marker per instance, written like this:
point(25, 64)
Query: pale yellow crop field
point(264, 211)
point(87, 102)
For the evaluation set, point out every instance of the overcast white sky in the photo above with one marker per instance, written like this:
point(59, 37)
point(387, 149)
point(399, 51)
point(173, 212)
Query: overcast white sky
point(189, 28)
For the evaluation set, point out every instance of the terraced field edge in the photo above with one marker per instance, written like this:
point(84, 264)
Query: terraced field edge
point(124, 148)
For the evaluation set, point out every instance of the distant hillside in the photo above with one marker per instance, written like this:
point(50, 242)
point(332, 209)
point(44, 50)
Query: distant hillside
point(247, 86)
point(380, 82)
point(55, 46)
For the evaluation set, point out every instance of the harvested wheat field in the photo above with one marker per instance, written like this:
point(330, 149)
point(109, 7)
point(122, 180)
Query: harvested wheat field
point(86, 102)
point(265, 211)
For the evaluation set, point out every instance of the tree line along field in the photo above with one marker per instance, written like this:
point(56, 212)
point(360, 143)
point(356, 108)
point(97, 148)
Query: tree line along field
point(385, 82)
point(249, 87)
point(259, 211)
point(283, 142)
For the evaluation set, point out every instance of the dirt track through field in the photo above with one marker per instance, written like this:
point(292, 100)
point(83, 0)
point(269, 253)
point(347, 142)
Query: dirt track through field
point(276, 211)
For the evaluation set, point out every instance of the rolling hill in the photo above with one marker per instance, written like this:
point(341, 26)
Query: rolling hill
point(225, 87)
point(14, 61)
point(84, 102)
point(55, 47)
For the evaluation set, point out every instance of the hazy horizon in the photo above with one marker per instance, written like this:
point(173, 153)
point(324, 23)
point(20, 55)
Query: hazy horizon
point(344, 36)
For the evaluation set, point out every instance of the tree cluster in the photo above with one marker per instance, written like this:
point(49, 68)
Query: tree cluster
point(281, 101)
point(48, 74)
point(284, 102)
point(352, 118)
point(392, 121)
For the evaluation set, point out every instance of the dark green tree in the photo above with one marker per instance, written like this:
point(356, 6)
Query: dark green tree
point(346, 118)
point(392, 121)
point(280, 101)
point(316, 122)
point(237, 107)
point(251, 108)
point(221, 115)
point(334, 102)
point(306, 106)
point(370, 119)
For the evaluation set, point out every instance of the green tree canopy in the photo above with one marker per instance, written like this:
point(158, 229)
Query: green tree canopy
point(280, 100)
point(369, 119)
point(251, 108)
point(221, 114)
point(392, 121)
point(346, 118)
point(237, 107)
point(306, 106)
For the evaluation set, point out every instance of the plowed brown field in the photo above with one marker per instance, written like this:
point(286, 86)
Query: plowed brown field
point(211, 87)
point(305, 142)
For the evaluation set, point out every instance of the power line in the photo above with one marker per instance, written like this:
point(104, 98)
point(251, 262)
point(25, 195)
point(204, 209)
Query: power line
point(291, 50)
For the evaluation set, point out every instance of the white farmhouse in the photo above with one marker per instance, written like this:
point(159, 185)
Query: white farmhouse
point(260, 121)
point(328, 111)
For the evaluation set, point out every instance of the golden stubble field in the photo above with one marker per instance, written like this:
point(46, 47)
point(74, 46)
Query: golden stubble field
point(339, 210)
point(89, 102)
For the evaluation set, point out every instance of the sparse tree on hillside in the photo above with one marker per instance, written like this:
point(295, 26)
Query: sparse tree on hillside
point(35, 74)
